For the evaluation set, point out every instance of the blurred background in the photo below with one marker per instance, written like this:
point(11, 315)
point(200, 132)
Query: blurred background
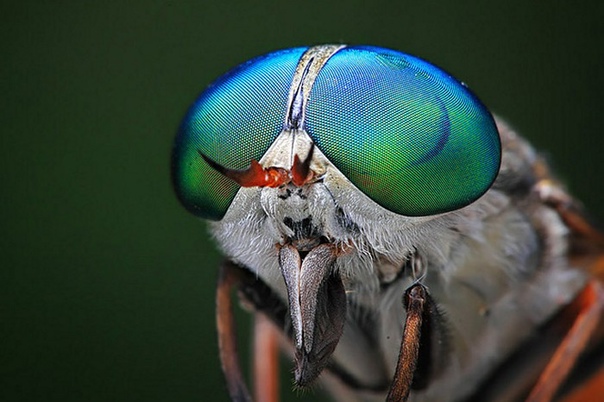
point(106, 283)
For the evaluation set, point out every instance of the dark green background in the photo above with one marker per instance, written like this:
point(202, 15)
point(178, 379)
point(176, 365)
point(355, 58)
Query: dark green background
point(106, 282)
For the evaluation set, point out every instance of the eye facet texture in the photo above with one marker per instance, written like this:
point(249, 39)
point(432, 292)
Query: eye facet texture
point(232, 122)
point(411, 137)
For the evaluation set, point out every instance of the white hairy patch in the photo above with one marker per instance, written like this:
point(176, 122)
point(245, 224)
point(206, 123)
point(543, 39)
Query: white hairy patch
point(484, 264)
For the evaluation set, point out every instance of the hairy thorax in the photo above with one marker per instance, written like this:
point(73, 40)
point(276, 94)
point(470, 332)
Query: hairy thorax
point(495, 269)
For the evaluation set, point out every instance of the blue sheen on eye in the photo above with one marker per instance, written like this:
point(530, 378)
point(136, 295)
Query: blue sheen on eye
point(233, 121)
point(406, 133)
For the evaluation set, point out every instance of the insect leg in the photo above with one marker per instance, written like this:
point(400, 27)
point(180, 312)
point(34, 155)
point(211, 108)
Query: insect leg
point(590, 304)
point(266, 361)
point(227, 342)
point(416, 300)
point(589, 391)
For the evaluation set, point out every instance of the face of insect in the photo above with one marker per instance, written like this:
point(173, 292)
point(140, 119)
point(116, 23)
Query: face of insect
point(376, 172)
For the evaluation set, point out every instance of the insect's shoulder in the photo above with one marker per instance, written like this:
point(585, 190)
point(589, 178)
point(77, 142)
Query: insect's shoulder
point(527, 177)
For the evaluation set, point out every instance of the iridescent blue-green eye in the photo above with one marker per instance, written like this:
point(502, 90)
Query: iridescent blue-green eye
point(232, 122)
point(408, 135)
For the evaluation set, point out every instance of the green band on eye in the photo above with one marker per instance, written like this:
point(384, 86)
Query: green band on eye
point(408, 135)
point(232, 122)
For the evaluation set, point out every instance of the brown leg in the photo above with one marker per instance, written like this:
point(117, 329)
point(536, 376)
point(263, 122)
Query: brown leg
point(591, 390)
point(227, 341)
point(409, 352)
point(266, 360)
point(588, 306)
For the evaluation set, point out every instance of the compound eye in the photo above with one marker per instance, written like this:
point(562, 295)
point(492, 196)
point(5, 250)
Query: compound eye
point(233, 121)
point(406, 133)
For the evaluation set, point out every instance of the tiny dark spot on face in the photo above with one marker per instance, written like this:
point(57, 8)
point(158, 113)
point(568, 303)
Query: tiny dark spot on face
point(306, 236)
point(288, 191)
point(286, 195)
point(303, 229)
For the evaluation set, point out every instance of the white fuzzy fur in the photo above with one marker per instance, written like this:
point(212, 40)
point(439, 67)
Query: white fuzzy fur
point(484, 257)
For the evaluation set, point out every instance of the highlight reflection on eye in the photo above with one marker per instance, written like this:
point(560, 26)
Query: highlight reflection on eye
point(411, 137)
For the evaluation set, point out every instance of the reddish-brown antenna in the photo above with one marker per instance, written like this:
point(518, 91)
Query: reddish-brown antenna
point(254, 176)
point(300, 171)
point(257, 176)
